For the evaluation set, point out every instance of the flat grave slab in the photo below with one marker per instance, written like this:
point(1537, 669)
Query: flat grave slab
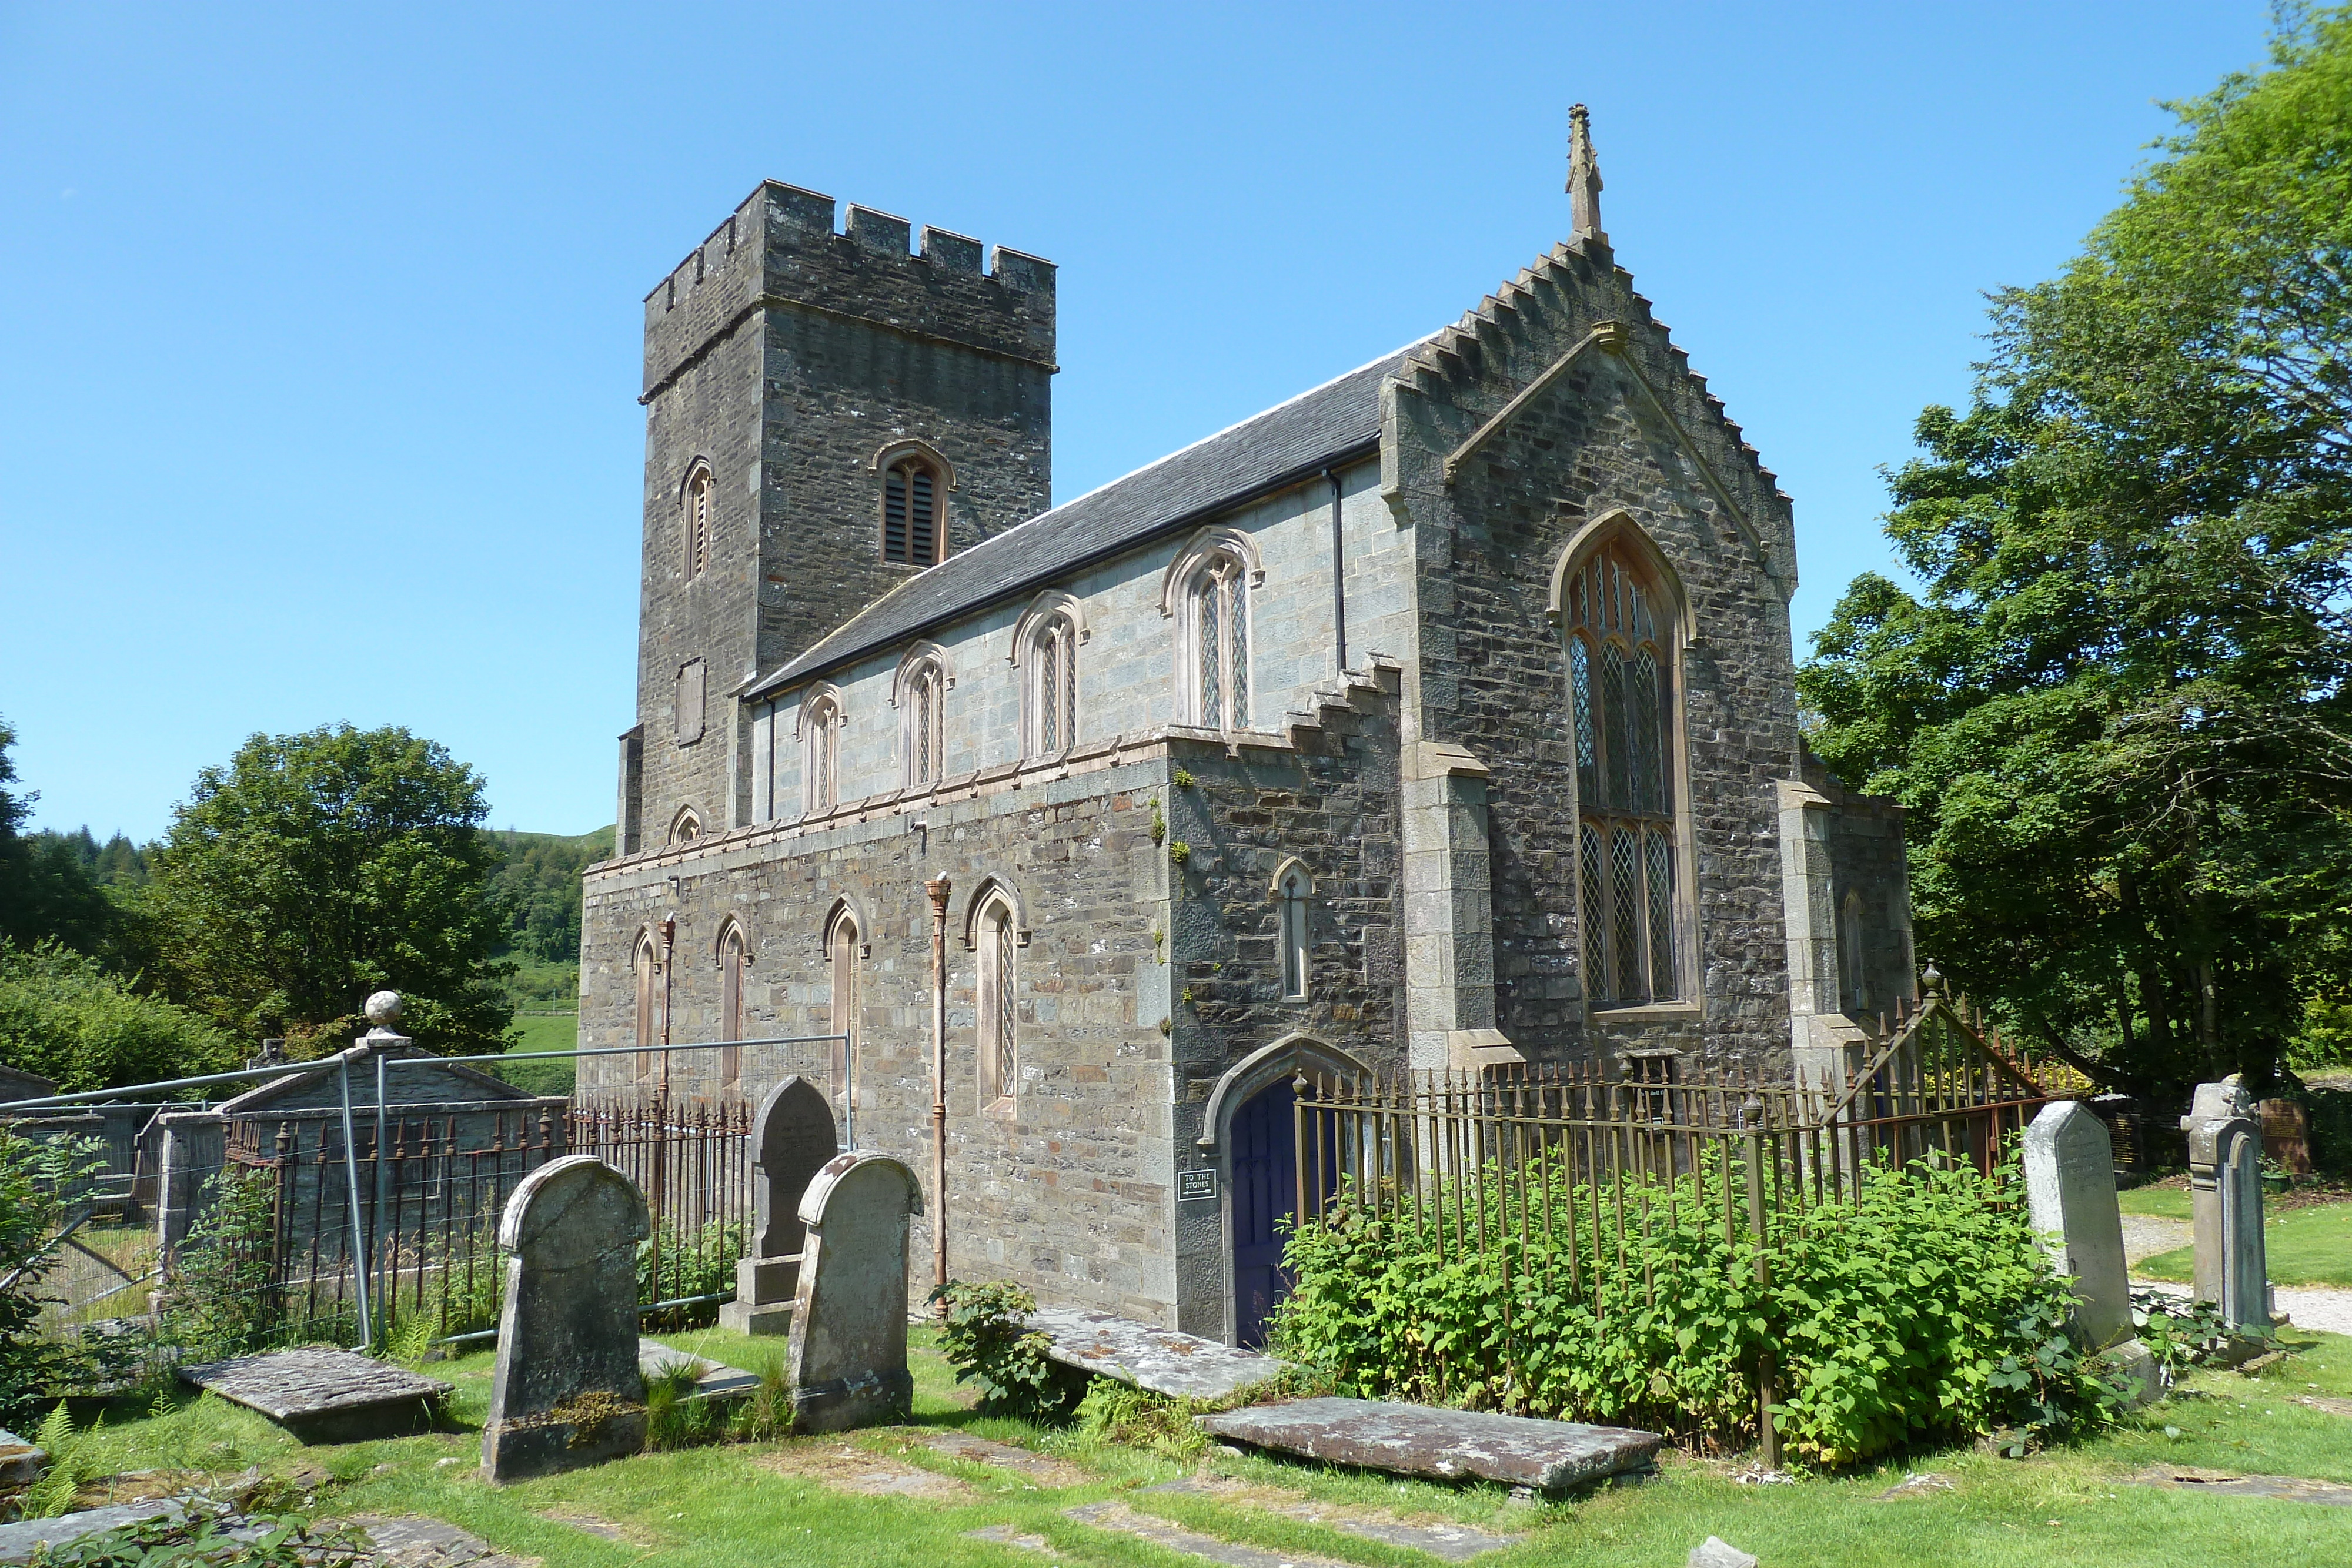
point(712, 1379)
point(429, 1544)
point(19, 1540)
point(1440, 1538)
point(1178, 1365)
point(1042, 1469)
point(20, 1461)
point(2294, 1489)
point(1190, 1543)
point(1446, 1445)
point(325, 1396)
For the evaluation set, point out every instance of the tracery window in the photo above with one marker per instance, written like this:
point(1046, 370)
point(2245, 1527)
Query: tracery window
point(732, 958)
point(910, 513)
point(695, 521)
point(1051, 692)
point(820, 752)
point(1291, 893)
point(1000, 1009)
point(924, 705)
point(1622, 707)
point(1220, 653)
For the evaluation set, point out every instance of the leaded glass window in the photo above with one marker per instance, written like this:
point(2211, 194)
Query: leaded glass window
point(1000, 1007)
point(1053, 691)
point(1219, 661)
point(1622, 715)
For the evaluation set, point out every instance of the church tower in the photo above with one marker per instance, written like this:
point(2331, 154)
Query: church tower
point(827, 414)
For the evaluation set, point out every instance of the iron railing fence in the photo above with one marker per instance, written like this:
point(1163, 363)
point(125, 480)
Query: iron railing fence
point(1570, 1173)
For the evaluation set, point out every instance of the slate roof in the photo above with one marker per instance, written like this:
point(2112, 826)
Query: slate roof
point(1263, 452)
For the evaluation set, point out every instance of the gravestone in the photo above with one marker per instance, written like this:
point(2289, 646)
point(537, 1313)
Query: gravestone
point(323, 1396)
point(848, 1350)
point(790, 1141)
point(567, 1391)
point(2070, 1189)
point(2225, 1179)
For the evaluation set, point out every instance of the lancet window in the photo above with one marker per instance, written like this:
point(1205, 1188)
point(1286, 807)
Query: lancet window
point(1000, 1007)
point(1623, 706)
point(910, 513)
point(1219, 654)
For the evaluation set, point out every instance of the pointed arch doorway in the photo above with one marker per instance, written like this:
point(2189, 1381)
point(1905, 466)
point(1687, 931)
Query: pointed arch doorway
point(1251, 1126)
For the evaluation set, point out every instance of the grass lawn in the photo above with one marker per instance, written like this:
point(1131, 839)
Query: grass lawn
point(545, 1032)
point(2306, 1246)
point(2157, 1202)
point(720, 1508)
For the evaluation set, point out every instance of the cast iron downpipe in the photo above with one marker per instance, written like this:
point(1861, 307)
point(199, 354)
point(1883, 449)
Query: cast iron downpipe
point(1339, 577)
point(938, 889)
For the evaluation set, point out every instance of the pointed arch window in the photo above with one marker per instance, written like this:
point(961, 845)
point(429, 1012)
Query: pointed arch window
point(910, 513)
point(645, 970)
point(923, 703)
point(1000, 1006)
point(734, 956)
point(820, 751)
point(1622, 709)
point(1292, 892)
point(846, 953)
point(1046, 647)
point(1219, 660)
point(694, 520)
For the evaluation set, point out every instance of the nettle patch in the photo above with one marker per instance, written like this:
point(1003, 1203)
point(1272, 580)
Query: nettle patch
point(1920, 1307)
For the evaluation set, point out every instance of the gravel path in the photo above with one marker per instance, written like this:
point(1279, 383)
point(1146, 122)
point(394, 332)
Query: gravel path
point(2328, 1311)
point(2145, 1236)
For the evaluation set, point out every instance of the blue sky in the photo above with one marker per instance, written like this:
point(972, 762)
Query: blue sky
point(321, 323)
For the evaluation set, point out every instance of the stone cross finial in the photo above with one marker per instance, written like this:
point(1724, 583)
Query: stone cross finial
point(1583, 177)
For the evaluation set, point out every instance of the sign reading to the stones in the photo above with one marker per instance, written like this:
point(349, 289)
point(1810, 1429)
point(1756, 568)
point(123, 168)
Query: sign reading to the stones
point(566, 1391)
point(848, 1349)
point(792, 1139)
point(1195, 1184)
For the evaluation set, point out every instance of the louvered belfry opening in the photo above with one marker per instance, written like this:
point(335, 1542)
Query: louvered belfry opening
point(910, 530)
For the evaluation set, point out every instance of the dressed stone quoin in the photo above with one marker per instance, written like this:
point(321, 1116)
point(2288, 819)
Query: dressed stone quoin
point(1440, 717)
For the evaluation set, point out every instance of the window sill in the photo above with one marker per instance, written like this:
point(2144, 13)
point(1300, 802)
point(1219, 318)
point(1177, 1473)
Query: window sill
point(1004, 1108)
point(1651, 1013)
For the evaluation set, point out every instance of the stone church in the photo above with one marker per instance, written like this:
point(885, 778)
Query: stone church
point(1440, 717)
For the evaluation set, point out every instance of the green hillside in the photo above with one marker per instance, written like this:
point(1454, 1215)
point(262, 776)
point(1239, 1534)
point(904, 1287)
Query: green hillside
point(541, 881)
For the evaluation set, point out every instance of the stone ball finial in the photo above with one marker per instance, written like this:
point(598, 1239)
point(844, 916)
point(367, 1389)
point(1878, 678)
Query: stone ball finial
point(1932, 979)
point(384, 1009)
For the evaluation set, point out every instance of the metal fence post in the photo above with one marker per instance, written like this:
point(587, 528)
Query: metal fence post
point(1768, 1431)
point(352, 1185)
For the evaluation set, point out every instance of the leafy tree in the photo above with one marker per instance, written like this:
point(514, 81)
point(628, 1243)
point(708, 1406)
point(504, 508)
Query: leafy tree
point(46, 888)
point(539, 880)
point(66, 1017)
point(2120, 711)
point(316, 868)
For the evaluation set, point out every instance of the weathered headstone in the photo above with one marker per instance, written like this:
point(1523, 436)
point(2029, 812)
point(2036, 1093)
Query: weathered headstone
point(567, 1391)
point(2225, 1179)
point(790, 1141)
point(2070, 1190)
point(848, 1347)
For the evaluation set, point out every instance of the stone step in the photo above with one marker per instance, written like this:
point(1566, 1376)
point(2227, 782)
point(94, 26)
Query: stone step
point(1189, 1542)
point(1178, 1365)
point(1443, 1539)
point(1443, 1445)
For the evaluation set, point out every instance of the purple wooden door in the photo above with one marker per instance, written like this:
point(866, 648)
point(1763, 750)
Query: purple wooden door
point(1265, 1192)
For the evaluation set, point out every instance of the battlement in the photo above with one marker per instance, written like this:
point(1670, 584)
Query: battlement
point(781, 246)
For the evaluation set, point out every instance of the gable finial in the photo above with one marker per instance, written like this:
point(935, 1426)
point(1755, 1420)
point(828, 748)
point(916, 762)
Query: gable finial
point(1583, 177)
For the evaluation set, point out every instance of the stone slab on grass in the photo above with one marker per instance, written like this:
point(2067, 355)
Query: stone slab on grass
point(1440, 1538)
point(1178, 1365)
point(325, 1396)
point(20, 1462)
point(712, 1379)
point(430, 1544)
point(1041, 1468)
point(2295, 1489)
point(864, 1474)
point(1189, 1542)
point(19, 1542)
point(1444, 1445)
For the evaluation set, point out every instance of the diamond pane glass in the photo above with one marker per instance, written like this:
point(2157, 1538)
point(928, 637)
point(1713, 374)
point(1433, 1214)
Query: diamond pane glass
point(1213, 705)
point(1238, 630)
point(1625, 911)
point(923, 728)
point(1579, 702)
point(1662, 908)
point(1066, 639)
point(1006, 1010)
point(1616, 781)
point(1049, 695)
point(1648, 763)
point(1593, 914)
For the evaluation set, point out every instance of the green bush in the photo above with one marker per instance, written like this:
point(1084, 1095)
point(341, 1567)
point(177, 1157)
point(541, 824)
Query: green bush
point(986, 1341)
point(1922, 1307)
point(35, 1177)
point(218, 1301)
point(64, 1018)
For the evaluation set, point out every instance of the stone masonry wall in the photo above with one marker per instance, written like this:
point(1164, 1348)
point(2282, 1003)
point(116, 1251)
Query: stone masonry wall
point(1493, 671)
point(1071, 1194)
point(789, 358)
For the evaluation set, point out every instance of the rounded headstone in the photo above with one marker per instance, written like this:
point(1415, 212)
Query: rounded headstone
point(384, 1009)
